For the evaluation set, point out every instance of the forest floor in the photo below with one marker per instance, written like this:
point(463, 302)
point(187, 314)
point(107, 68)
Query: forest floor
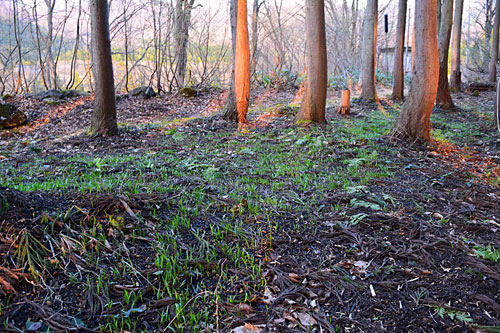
point(184, 223)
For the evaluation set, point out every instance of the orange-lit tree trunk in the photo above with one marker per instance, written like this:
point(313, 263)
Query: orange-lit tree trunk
point(443, 98)
point(242, 63)
point(456, 39)
point(414, 119)
point(368, 83)
point(104, 116)
point(314, 99)
point(494, 44)
point(398, 71)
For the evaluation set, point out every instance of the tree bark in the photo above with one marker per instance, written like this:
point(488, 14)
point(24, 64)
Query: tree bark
point(443, 98)
point(255, 34)
point(494, 44)
point(230, 112)
point(183, 10)
point(242, 63)
point(104, 117)
point(414, 119)
point(488, 28)
point(314, 98)
point(398, 72)
point(439, 7)
point(368, 83)
point(52, 75)
point(456, 40)
point(345, 102)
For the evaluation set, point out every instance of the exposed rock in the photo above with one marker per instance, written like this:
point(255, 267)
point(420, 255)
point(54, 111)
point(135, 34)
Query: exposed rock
point(143, 92)
point(59, 94)
point(73, 93)
point(51, 101)
point(55, 94)
point(121, 97)
point(188, 92)
point(11, 116)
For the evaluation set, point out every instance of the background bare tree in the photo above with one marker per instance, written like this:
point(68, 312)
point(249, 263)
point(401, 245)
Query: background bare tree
point(443, 98)
point(398, 71)
point(414, 119)
point(369, 47)
point(456, 42)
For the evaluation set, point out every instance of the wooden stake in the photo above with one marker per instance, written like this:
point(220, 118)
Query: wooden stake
point(345, 103)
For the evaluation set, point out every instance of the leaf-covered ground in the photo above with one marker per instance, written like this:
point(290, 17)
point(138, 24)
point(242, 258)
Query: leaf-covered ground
point(184, 223)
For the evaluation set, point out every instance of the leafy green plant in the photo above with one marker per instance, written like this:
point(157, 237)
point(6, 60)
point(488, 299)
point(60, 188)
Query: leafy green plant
point(452, 314)
point(487, 252)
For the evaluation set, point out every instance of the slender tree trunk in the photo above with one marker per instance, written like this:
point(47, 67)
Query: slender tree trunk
point(72, 70)
point(456, 41)
point(443, 98)
point(230, 112)
point(125, 33)
point(255, 34)
point(242, 63)
point(183, 10)
point(414, 119)
point(439, 15)
point(38, 45)
point(104, 117)
point(18, 46)
point(368, 83)
point(398, 72)
point(354, 21)
point(467, 42)
point(494, 44)
point(52, 76)
point(314, 99)
point(488, 27)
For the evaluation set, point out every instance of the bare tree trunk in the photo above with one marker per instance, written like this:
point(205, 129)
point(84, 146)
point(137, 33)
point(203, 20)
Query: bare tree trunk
point(456, 40)
point(439, 15)
point(488, 27)
point(368, 83)
point(242, 63)
point(18, 46)
point(354, 21)
point(443, 98)
point(314, 99)
point(255, 34)
point(104, 117)
point(183, 10)
point(52, 75)
point(230, 112)
point(125, 33)
point(414, 119)
point(494, 44)
point(398, 72)
point(72, 69)
point(38, 44)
